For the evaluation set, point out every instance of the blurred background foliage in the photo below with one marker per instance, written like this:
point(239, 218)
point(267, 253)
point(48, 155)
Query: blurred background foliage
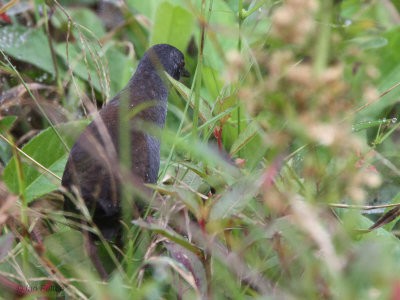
point(279, 152)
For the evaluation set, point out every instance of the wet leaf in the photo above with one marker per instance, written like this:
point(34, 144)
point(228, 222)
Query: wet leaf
point(368, 124)
point(27, 44)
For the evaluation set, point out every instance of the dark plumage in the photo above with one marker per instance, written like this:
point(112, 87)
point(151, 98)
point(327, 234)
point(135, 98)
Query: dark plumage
point(93, 162)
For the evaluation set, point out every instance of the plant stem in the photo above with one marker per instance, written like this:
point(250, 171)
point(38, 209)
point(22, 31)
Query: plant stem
point(199, 72)
point(322, 47)
point(24, 204)
point(53, 54)
point(241, 18)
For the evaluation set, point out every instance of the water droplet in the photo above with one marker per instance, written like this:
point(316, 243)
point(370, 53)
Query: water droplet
point(347, 22)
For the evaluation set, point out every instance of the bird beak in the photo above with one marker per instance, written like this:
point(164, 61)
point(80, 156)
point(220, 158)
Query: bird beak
point(185, 73)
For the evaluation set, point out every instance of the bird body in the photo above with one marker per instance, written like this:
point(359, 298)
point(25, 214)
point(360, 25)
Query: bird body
point(92, 168)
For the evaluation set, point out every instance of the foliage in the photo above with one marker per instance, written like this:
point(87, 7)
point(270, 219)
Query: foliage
point(278, 155)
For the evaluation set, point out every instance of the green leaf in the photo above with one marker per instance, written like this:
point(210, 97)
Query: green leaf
point(6, 123)
point(121, 70)
point(27, 44)
point(89, 20)
point(66, 250)
point(66, 244)
point(353, 220)
point(217, 46)
point(244, 137)
point(368, 124)
point(46, 149)
point(212, 83)
point(389, 68)
point(205, 112)
point(235, 199)
point(173, 25)
point(370, 42)
point(187, 197)
point(149, 7)
point(146, 8)
point(5, 149)
point(120, 67)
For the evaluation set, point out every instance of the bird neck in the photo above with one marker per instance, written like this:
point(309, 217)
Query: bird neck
point(150, 84)
point(149, 87)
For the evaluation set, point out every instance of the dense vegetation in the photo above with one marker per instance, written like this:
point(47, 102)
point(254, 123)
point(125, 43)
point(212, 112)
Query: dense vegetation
point(279, 152)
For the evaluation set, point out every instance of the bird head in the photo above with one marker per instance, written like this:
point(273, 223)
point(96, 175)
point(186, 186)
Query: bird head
point(169, 57)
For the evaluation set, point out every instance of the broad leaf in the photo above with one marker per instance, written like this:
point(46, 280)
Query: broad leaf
point(173, 25)
point(5, 149)
point(389, 67)
point(27, 44)
point(6, 123)
point(66, 250)
point(89, 20)
point(47, 149)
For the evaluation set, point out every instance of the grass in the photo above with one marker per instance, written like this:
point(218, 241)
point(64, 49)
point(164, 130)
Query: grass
point(275, 148)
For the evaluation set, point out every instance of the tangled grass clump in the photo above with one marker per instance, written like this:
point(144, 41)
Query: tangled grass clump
point(285, 134)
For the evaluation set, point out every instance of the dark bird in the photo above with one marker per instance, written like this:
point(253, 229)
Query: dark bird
point(92, 170)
